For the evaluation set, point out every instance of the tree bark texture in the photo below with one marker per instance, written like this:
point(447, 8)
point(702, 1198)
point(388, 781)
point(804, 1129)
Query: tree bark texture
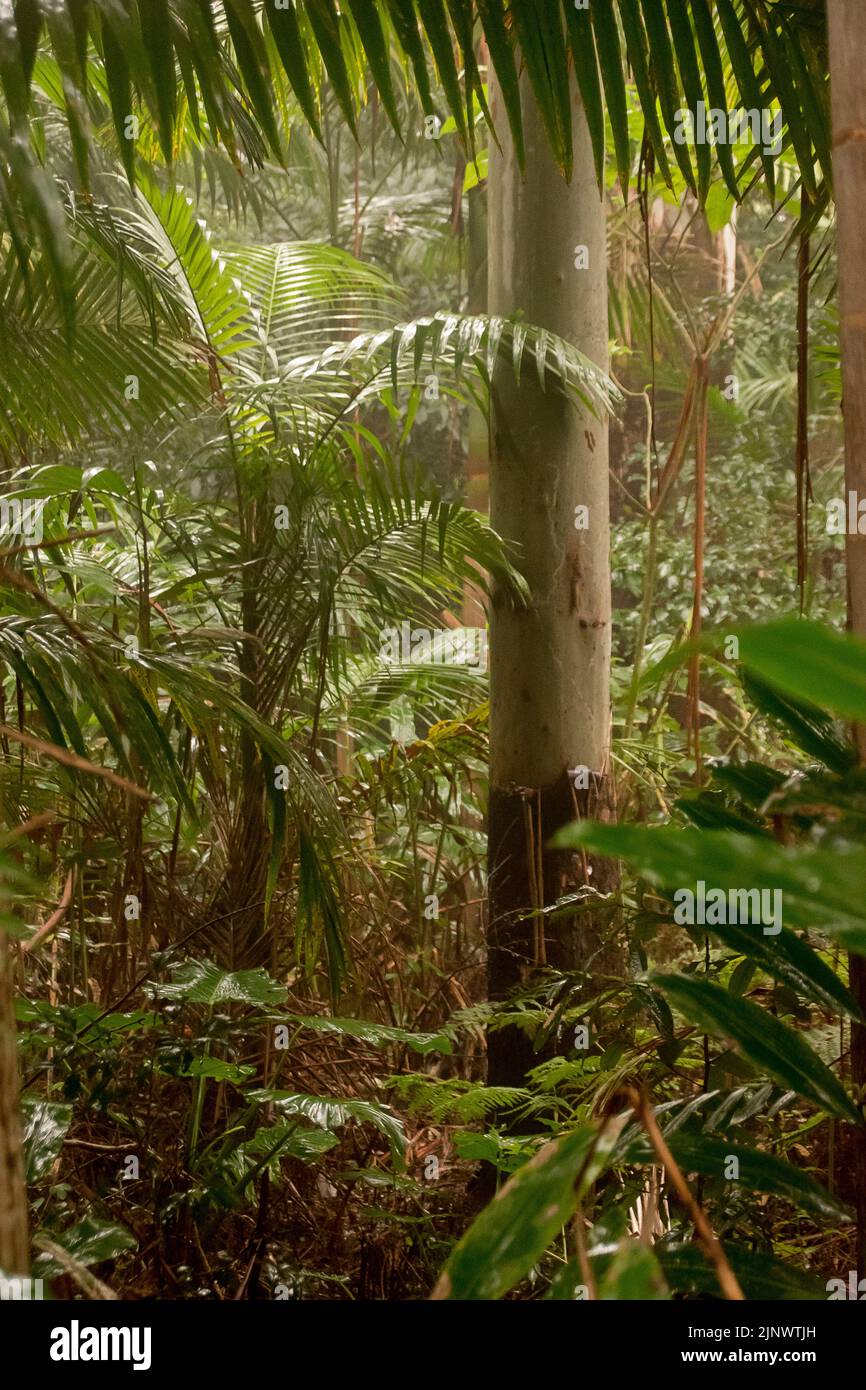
point(550, 662)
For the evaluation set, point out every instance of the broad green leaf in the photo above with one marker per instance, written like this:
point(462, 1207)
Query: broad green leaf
point(788, 959)
point(841, 800)
point(377, 1034)
point(492, 14)
point(760, 1276)
point(90, 1241)
point(811, 662)
point(567, 1285)
point(709, 811)
point(215, 1069)
point(329, 1112)
point(719, 207)
point(678, 859)
point(633, 1275)
point(758, 1171)
point(610, 61)
point(54, 478)
point(820, 888)
point(273, 1143)
point(766, 1042)
point(203, 982)
point(44, 1126)
point(476, 171)
point(750, 782)
point(286, 31)
point(514, 1231)
point(810, 727)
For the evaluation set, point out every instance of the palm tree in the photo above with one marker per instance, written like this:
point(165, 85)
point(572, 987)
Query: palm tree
point(116, 66)
point(550, 669)
point(246, 335)
point(222, 71)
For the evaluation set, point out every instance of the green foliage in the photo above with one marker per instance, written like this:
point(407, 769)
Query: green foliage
point(772, 1047)
point(247, 878)
point(377, 1034)
point(514, 1231)
point(89, 1242)
point(202, 982)
point(238, 74)
point(760, 1276)
point(329, 1113)
point(757, 1171)
point(44, 1125)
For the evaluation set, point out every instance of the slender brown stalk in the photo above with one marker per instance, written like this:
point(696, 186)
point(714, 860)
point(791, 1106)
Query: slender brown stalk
point(706, 1236)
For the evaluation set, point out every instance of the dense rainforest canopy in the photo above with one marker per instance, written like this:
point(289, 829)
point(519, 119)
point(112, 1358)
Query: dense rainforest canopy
point(433, 650)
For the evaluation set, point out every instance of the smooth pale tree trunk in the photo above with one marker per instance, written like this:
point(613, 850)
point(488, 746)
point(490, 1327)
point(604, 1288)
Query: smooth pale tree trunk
point(14, 1254)
point(477, 494)
point(847, 23)
point(550, 663)
point(477, 487)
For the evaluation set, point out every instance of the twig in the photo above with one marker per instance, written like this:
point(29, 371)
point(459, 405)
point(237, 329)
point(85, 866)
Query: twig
point(27, 827)
point(54, 541)
point(62, 755)
point(706, 1237)
point(93, 1287)
point(54, 920)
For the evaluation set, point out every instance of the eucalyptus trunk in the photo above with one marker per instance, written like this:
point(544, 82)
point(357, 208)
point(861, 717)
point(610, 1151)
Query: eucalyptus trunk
point(550, 662)
point(477, 493)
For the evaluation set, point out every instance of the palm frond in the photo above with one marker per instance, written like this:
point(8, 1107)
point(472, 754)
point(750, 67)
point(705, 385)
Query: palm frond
point(230, 74)
point(455, 346)
point(55, 389)
point(309, 295)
